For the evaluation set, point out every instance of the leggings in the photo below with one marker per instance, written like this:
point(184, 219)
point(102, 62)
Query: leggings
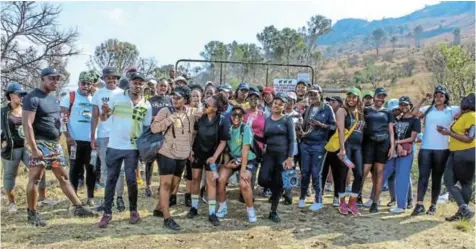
point(149, 169)
point(460, 168)
point(270, 176)
point(82, 161)
point(434, 162)
point(334, 163)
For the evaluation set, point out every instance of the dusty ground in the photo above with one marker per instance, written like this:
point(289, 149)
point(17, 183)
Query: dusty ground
point(299, 229)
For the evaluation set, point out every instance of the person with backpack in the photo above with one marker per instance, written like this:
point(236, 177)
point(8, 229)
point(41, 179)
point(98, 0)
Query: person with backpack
point(319, 119)
point(239, 139)
point(77, 107)
point(434, 151)
point(208, 130)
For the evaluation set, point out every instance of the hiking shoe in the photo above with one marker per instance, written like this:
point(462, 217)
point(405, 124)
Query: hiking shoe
point(335, 202)
point(273, 216)
point(222, 212)
point(301, 204)
point(12, 208)
point(82, 212)
point(397, 210)
point(343, 209)
point(431, 210)
point(171, 224)
point(419, 209)
point(172, 200)
point(316, 207)
point(466, 213)
point(106, 218)
point(35, 219)
point(120, 204)
point(455, 217)
point(252, 216)
point(148, 192)
point(158, 213)
point(391, 203)
point(288, 197)
point(188, 200)
point(373, 208)
point(192, 213)
point(214, 220)
point(134, 218)
point(354, 210)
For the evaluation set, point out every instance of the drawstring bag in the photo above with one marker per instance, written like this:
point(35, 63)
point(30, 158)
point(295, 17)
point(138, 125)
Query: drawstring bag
point(149, 143)
point(333, 144)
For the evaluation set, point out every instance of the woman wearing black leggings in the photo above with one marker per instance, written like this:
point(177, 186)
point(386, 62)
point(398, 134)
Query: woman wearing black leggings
point(280, 136)
point(434, 151)
point(460, 165)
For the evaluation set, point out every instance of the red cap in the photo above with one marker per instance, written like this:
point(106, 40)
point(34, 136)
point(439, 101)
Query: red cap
point(269, 89)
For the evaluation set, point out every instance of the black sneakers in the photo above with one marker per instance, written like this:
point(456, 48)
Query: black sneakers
point(431, 210)
point(35, 219)
point(419, 209)
point(170, 224)
point(273, 216)
point(120, 204)
point(373, 208)
point(80, 211)
point(172, 200)
point(214, 220)
point(192, 213)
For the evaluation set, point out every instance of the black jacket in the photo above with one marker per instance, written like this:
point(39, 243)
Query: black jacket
point(6, 134)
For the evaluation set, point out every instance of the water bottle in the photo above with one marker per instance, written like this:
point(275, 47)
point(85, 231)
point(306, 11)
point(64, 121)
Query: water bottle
point(213, 168)
point(348, 162)
point(94, 158)
point(63, 125)
point(72, 152)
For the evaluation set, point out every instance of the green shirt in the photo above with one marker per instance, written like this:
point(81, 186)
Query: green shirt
point(236, 142)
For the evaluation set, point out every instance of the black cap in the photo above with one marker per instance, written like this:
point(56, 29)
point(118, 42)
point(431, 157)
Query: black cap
point(108, 71)
point(181, 91)
point(315, 88)
point(15, 87)
point(380, 90)
point(253, 93)
point(335, 98)
point(405, 100)
point(137, 76)
point(281, 96)
point(440, 89)
point(124, 84)
point(49, 71)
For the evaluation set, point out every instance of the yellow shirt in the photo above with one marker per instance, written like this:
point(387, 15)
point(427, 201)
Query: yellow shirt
point(245, 105)
point(465, 125)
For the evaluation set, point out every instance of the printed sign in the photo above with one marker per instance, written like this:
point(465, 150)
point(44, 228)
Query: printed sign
point(284, 85)
point(303, 76)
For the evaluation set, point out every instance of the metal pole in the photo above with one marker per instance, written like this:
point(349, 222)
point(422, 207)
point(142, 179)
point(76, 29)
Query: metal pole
point(267, 68)
point(221, 73)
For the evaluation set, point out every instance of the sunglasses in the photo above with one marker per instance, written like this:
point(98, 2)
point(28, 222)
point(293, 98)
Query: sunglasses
point(312, 94)
point(237, 114)
point(54, 78)
point(86, 83)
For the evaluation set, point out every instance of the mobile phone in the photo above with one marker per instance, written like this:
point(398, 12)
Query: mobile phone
point(439, 127)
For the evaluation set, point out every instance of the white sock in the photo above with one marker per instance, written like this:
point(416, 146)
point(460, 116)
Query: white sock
point(222, 205)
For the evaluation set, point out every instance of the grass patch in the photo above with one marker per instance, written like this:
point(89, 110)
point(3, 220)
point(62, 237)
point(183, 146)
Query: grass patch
point(464, 226)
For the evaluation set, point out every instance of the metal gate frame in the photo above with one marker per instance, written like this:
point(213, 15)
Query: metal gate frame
point(247, 63)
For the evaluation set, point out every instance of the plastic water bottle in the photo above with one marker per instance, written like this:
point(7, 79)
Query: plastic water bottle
point(72, 152)
point(94, 157)
point(63, 125)
point(213, 167)
point(348, 162)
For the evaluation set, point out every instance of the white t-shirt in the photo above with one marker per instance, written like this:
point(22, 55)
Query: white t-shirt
point(127, 121)
point(432, 139)
point(101, 96)
point(79, 124)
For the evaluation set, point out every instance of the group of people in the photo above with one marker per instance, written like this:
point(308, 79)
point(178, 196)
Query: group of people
point(213, 132)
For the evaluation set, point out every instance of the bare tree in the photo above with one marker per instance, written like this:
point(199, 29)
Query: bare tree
point(31, 40)
point(147, 66)
point(114, 53)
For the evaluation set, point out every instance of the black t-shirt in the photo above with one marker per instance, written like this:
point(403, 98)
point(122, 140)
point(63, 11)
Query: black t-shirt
point(280, 135)
point(405, 126)
point(47, 119)
point(377, 121)
point(208, 136)
point(15, 124)
point(157, 102)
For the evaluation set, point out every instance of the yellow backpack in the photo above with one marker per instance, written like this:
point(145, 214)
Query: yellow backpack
point(333, 144)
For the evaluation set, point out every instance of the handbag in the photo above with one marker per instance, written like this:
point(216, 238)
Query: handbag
point(333, 144)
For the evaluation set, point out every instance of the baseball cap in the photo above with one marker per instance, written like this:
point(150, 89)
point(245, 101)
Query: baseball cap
point(253, 93)
point(291, 96)
point(86, 77)
point(225, 87)
point(354, 90)
point(137, 76)
point(392, 104)
point(368, 93)
point(181, 78)
point(281, 96)
point(260, 88)
point(49, 71)
point(380, 90)
point(210, 83)
point(152, 81)
point(110, 71)
point(15, 87)
point(335, 98)
point(269, 89)
point(440, 89)
point(405, 100)
point(244, 86)
point(315, 88)
point(181, 91)
point(124, 84)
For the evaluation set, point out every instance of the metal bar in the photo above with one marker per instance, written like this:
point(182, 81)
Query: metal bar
point(267, 68)
point(221, 73)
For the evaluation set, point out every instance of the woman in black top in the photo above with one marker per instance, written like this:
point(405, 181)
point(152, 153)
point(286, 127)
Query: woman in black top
point(378, 143)
point(280, 136)
point(207, 139)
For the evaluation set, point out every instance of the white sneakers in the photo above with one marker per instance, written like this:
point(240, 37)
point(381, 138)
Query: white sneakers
point(12, 208)
point(222, 212)
point(397, 210)
point(316, 207)
point(335, 202)
point(252, 215)
point(301, 204)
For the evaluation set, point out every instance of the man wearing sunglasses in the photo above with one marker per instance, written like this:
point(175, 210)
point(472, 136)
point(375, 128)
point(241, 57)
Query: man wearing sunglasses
point(77, 106)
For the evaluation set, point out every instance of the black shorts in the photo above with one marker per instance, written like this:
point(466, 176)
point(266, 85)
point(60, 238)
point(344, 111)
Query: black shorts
point(375, 152)
point(169, 166)
point(200, 163)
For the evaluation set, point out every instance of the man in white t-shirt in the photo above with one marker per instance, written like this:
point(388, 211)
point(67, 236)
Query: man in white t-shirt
point(128, 113)
point(77, 107)
point(102, 98)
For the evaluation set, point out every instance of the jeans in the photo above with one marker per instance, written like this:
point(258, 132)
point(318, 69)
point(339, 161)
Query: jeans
point(434, 162)
point(77, 166)
point(11, 167)
point(102, 148)
point(460, 168)
point(401, 166)
point(115, 159)
point(313, 156)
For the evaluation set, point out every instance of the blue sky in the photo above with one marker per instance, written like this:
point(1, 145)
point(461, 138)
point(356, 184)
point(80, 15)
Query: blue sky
point(170, 31)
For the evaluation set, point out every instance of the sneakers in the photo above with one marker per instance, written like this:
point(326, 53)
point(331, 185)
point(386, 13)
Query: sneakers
point(368, 203)
point(91, 202)
point(266, 192)
point(82, 212)
point(466, 213)
point(12, 208)
point(373, 208)
point(172, 200)
point(47, 202)
point(252, 216)
point(343, 209)
point(354, 210)
point(301, 204)
point(273, 216)
point(148, 192)
point(214, 220)
point(316, 207)
point(397, 210)
point(431, 210)
point(134, 218)
point(391, 203)
point(222, 212)
point(329, 187)
point(120, 204)
point(35, 219)
point(455, 217)
point(443, 198)
point(419, 209)
point(335, 202)
point(171, 224)
point(188, 200)
point(192, 213)
point(106, 218)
